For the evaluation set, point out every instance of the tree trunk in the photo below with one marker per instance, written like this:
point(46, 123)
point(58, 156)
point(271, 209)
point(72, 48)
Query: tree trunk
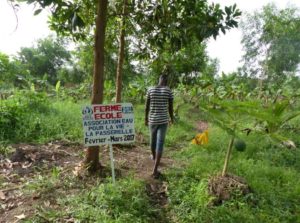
point(121, 56)
point(92, 153)
point(227, 158)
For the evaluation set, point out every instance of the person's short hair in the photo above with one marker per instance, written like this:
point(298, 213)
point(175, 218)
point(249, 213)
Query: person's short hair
point(163, 78)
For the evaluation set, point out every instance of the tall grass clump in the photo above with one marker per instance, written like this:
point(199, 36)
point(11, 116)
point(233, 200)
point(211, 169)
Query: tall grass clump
point(63, 122)
point(18, 118)
point(30, 116)
point(126, 201)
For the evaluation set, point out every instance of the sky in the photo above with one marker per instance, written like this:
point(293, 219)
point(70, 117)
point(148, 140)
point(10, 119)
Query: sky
point(226, 48)
point(23, 32)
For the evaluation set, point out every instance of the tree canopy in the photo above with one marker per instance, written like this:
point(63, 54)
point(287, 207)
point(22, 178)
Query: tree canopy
point(154, 28)
point(271, 42)
point(46, 59)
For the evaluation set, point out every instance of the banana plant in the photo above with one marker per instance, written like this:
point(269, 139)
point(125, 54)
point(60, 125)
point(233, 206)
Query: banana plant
point(137, 88)
point(271, 117)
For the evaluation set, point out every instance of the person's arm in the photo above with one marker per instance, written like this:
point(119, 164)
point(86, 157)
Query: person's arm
point(147, 109)
point(171, 113)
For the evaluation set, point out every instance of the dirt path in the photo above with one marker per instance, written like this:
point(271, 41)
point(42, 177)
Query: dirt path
point(30, 161)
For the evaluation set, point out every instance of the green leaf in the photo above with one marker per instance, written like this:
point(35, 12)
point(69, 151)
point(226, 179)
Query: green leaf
point(237, 13)
point(57, 86)
point(280, 107)
point(32, 88)
point(234, 23)
point(278, 137)
point(234, 7)
point(223, 30)
point(38, 11)
point(290, 117)
point(228, 10)
point(47, 2)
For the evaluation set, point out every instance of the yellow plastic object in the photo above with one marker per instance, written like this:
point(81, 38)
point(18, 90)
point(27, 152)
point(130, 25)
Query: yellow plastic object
point(201, 138)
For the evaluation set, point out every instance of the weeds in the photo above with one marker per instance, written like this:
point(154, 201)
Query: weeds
point(271, 171)
point(124, 202)
point(33, 117)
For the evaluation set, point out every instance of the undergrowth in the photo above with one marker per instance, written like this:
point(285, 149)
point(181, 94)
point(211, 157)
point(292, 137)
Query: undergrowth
point(30, 116)
point(126, 201)
point(272, 173)
point(270, 169)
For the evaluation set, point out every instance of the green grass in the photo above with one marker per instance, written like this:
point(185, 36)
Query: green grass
point(139, 120)
point(272, 172)
point(64, 122)
point(126, 201)
point(33, 117)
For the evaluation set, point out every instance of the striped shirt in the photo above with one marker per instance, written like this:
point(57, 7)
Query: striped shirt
point(159, 103)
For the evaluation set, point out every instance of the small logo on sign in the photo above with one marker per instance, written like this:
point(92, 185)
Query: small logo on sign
point(87, 111)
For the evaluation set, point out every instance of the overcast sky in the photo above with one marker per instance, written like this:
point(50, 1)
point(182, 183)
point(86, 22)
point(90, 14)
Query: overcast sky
point(227, 48)
point(29, 27)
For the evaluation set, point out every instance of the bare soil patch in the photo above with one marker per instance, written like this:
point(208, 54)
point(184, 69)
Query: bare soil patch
point(226, 187)
point(30, 160)
point(20, 167)
point(135, 160)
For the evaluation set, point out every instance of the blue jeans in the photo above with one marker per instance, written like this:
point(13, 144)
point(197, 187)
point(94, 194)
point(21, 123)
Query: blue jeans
point(157, 137)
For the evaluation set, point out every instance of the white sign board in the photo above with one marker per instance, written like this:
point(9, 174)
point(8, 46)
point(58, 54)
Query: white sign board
point(108, 124)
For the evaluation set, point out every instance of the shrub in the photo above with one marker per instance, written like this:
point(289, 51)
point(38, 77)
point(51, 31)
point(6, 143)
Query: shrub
point(17, 114)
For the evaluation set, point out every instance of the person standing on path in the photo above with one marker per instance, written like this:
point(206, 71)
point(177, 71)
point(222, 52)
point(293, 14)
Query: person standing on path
point(159, 107)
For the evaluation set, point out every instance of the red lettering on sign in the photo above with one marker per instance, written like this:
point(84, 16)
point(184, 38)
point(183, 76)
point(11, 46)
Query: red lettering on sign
point(108, 115)
point(96, 108)
point(119, 115)
point(107, 108)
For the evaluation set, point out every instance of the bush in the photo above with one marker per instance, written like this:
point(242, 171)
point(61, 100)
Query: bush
point(30, 116)
point(17, 114)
